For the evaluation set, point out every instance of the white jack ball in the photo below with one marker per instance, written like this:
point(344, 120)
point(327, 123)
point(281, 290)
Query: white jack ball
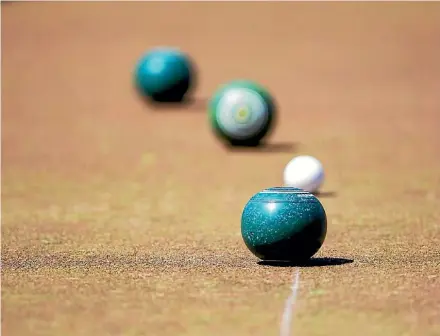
point(304, 172)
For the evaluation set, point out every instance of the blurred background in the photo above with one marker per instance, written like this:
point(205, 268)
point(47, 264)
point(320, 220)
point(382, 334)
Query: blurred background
point(117, 216)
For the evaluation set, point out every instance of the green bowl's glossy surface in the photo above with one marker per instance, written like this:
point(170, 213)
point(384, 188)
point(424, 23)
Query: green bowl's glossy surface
point(251, 131)
point(286, 224)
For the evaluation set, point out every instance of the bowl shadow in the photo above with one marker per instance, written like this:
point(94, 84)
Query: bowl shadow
point(313, 262)
point(263, 147)
point(325, 194)
point(185, 104)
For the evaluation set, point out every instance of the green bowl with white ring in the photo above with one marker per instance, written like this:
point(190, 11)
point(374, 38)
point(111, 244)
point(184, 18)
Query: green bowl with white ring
point(242, 112)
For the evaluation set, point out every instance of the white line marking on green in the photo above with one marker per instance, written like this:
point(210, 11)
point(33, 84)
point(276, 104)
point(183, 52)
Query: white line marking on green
point(286, 320)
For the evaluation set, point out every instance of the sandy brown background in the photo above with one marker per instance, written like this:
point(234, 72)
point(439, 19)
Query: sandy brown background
point(118, 219)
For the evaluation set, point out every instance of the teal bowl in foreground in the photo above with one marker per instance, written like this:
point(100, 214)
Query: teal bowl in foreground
point(284, 224)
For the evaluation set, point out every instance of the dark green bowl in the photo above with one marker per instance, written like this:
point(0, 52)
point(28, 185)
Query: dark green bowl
point(284, 224)
point(164, 75)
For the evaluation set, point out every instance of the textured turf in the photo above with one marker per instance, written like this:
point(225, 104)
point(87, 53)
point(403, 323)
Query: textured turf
point(120, 219)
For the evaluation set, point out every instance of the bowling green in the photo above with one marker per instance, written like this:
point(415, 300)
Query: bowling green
point(123, 219)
